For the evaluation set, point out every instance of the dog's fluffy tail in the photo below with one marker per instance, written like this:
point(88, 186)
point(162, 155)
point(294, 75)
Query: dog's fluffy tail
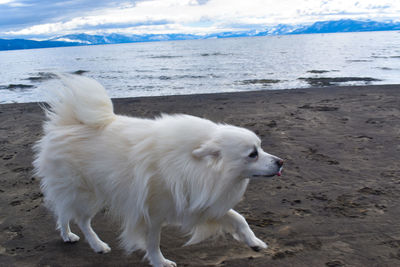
point(81, 101)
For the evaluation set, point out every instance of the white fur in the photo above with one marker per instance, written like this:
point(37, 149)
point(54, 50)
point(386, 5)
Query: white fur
point(175, 169)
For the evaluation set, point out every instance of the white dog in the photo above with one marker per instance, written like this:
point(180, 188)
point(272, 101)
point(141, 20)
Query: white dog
point(175, 169)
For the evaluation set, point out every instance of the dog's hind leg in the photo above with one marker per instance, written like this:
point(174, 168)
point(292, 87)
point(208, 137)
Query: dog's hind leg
point(237, 225)
point(66, 234)
point(91, 237)
point(56, 199)
point(153, 252)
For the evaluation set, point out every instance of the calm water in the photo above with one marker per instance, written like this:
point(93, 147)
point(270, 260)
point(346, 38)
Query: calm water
point(208, 66)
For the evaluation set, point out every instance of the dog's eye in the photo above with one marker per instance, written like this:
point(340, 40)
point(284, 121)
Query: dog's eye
point(253, 154)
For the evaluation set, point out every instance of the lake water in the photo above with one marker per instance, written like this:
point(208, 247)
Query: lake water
point(208, 66)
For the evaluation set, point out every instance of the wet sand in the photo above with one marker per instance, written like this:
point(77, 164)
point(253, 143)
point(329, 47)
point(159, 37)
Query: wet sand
point(337, 203)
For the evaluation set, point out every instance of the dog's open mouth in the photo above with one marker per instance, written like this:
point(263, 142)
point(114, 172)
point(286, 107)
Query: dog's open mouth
point(279, 173)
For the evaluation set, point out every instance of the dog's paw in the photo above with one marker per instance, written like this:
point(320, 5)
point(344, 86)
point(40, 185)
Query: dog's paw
point(168, 263)
point(163, 263)
point(258, 245)
point(101, 248)
point(70, 238)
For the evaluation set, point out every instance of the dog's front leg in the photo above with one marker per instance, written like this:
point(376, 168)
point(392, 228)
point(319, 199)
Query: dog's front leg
point(241, 231)
point(153, 252)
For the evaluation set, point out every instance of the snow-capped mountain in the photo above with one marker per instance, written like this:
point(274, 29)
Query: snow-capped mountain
point(280, 29)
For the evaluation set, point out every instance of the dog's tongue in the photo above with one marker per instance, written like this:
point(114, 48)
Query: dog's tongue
point(279, 172)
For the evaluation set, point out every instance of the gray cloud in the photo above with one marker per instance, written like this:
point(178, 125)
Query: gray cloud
point(105, 26)
point(25, 13)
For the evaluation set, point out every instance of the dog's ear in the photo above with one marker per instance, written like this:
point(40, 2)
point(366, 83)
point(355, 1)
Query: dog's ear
point(209, 148)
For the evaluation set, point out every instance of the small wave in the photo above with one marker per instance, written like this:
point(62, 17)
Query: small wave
point(140, 87)
point(359, 60)
point(16, 86)
point(188, 76)
point(80, 72)
point(192, 77)
point(143, 71)
point(42, 76)
point(215, 54)
point(165, 56)
point(318, 71)
point(264, 82)
point(384, 68)
point(327, 81)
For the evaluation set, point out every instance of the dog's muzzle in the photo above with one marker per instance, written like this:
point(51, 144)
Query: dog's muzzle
point(280, 165)
point(278, 162)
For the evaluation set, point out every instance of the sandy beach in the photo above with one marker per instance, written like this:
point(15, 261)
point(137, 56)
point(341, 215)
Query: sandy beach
point(337, 203)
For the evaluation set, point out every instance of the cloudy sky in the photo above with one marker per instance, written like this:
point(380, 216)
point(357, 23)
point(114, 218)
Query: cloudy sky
point(40, 19)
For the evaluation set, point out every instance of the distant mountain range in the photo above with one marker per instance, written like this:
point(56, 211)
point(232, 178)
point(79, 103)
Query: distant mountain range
point(281, 29)
point(13, 44)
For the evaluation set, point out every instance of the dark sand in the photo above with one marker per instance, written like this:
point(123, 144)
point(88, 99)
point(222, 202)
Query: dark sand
point(337, 203)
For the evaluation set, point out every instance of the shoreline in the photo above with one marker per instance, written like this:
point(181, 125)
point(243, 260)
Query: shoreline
point(336, 204)
point(314, 88)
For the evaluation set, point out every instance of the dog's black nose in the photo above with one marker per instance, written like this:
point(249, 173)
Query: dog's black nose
point(279, 162)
